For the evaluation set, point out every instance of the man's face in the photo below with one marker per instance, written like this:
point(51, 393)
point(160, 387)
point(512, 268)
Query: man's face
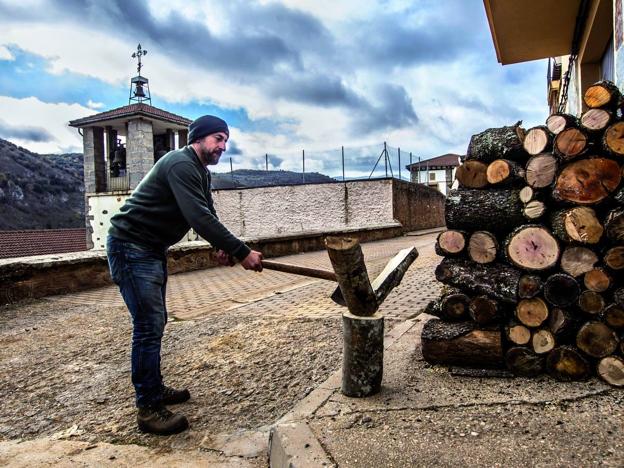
point(211, 147)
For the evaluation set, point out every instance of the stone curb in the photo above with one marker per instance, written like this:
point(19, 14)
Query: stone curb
point(292, 444)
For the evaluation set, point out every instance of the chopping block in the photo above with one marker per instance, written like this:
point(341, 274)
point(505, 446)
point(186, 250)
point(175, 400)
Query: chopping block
point(363, 325)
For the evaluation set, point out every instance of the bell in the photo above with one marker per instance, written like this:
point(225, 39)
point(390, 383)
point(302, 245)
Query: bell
point(120, 156)
point(138, 92)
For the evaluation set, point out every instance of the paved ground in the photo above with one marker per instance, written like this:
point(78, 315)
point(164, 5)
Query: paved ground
point(250, 346)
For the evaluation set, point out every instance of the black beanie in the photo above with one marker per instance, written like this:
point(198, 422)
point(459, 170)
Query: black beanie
point(206, 125)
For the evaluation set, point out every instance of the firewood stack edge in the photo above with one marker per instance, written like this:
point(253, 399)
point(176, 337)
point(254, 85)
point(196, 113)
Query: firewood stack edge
point(534, 249)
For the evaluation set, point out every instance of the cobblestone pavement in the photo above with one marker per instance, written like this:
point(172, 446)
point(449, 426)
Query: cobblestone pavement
point(202, 293)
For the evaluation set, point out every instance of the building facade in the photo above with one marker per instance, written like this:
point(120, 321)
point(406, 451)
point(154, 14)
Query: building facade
point(438, 172)
point(582, 38)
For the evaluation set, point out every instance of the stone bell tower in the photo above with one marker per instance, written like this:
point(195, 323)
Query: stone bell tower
point(112, 167)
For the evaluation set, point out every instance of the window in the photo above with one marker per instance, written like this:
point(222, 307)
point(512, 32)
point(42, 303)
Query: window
point(432, 176)
point(607, 63)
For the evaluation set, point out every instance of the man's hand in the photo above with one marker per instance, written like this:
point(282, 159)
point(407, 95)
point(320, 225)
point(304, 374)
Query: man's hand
point(224, 259)
point(253, 261)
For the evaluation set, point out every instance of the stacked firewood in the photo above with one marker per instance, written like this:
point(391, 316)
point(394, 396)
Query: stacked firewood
point(534, 251)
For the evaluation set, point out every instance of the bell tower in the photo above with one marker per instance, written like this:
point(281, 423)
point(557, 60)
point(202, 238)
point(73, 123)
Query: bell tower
point(139, 84)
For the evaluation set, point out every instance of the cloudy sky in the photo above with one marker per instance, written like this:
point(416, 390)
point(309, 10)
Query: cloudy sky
point(287, 75)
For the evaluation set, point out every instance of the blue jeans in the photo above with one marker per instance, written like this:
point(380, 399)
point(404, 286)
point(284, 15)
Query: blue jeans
point(141, 274)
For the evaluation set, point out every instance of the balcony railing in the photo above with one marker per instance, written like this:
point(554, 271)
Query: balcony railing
point(117, 184)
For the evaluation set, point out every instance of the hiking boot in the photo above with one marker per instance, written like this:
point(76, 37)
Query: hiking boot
point(171, 396)
point(159, 420)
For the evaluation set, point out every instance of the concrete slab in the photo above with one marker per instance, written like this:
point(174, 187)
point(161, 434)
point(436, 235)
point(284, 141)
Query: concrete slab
point(293, 445)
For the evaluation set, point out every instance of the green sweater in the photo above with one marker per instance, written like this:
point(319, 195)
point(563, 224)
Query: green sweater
point(173, 197)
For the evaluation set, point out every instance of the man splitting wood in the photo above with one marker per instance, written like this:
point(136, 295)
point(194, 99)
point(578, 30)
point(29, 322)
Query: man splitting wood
point(173, 197)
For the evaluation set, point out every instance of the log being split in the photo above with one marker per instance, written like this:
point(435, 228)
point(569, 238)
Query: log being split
point(484, 210)
point(541, 170)
point(496, 280)
point(496, 143)
point(461, 344)
point(363, 329)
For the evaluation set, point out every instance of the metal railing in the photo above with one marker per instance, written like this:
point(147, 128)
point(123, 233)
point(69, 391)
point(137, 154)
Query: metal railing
point(117, 184)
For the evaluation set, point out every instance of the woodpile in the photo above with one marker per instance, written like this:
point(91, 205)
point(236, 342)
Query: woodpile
point(534, 249)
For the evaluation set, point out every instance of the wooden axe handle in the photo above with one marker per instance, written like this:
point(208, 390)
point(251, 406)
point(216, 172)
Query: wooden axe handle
point(299, 270)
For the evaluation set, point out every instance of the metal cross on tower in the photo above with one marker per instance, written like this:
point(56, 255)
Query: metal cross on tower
point(137, 55)
point(139, 85)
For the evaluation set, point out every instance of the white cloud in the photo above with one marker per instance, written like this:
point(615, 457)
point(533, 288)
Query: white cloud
point(31, 112)
point(95, 105)
point(5, 53)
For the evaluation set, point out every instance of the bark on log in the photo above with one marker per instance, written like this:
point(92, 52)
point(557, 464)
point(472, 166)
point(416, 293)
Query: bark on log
point(450, 243)
point(588, 181)
point(614, 258)
point(619, 196)
point(503, 172)
point(517, 333)
point(496, 280)
point(591, 302)
point(538, 140)
point(461, 344)
point(533, 210)
point(348, 262)
point(556, 123)
point(472, 174)
point(597, 279)
point(614, 225)
point(362, 364)
point(571, 143)
point(577, 261)
point(483, 310)
point(613, 316)
point(532, 312)
point(596, 340)
point(611, 370)
point(532, 247)
point(565, 363)
point(603, 94)
point(451, 306)
point(561, 290)
point(495, 143)
point(482, 247)
point(497, 211)
point(529, 286)
point(578, 224)
point(613, 139)
point(543, 341)
point(596, 120)
point(563, 324)
point(524, 362)
point(541, 170)
point(618, 296)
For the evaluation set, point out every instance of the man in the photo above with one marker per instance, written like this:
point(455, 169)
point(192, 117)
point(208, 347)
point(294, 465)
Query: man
point(173, 197)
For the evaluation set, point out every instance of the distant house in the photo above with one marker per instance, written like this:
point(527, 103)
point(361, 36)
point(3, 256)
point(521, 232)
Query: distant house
point(436, 172)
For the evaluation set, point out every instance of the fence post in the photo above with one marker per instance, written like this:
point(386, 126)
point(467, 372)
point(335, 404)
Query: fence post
point(303, 173)
point(231, 170)
point(386, 158)
point(343, 172)
point(266, 160)
point(399, 163)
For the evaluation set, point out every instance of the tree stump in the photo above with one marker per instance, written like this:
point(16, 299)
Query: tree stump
point(362, 363)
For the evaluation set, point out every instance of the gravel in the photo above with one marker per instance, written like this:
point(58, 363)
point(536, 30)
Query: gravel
point(65, 371)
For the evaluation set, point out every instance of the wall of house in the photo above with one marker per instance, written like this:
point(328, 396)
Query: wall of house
point(268, 212)
point(440, 179)
point(618, 39)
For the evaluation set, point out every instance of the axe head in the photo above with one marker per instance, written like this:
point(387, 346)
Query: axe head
point(338, 298)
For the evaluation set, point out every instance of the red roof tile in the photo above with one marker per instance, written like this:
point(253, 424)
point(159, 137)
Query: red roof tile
point(132, 109)
point(446, 160)
point(41, 242)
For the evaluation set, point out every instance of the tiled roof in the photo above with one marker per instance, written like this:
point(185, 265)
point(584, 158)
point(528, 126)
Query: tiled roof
point(130, 110)
point(446, 160)
point(41, 242)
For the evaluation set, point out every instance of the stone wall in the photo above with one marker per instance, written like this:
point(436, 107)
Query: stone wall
point(94, 164)
point(417, 206)
point(139, 150)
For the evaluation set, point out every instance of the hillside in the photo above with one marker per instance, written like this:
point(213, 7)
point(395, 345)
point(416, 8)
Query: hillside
point(39, 191)
point(258, 178)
